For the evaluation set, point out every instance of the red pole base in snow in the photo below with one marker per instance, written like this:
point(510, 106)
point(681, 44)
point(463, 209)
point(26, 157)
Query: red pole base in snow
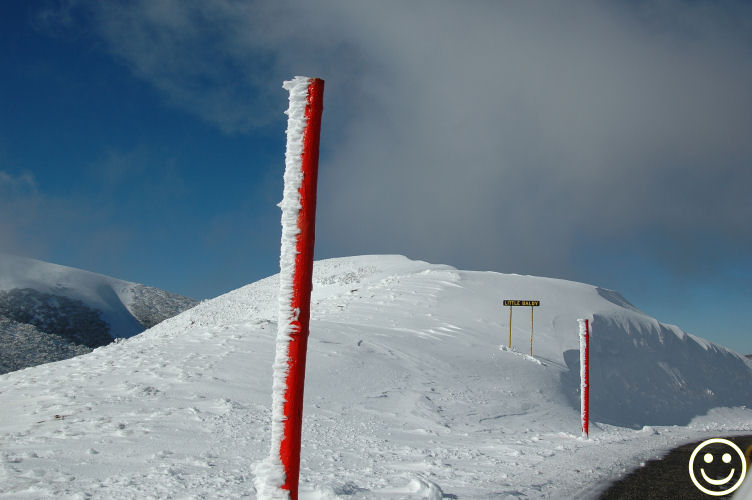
point(302, 284)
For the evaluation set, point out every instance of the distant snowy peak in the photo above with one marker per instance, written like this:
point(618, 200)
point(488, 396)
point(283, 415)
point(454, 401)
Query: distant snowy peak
point(126, 307)
point(98, 292)
point(23, 272)
point(50, 312)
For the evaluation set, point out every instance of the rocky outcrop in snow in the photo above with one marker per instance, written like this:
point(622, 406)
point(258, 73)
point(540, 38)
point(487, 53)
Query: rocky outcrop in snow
point(151, 306)
point(57, 315)
point(25, 345)
point(38, 327)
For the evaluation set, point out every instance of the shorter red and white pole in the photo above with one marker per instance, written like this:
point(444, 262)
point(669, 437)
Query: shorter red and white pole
point(584, 374)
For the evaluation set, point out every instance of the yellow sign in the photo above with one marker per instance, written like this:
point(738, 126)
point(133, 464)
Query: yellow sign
point(531, 303)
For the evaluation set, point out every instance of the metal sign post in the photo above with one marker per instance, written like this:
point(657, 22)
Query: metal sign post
point(531, 331)
point(511, 303)
point(510, 327)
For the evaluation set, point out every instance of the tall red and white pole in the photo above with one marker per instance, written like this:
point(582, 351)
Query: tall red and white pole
point(584, 374)
point(277, 477)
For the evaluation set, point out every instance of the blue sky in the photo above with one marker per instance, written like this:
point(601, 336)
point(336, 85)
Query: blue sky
point(606, 142)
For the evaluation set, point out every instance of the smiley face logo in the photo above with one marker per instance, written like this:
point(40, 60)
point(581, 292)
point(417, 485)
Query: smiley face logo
point(717, 467)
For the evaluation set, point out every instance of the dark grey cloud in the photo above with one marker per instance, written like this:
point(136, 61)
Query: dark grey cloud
point(498, 135)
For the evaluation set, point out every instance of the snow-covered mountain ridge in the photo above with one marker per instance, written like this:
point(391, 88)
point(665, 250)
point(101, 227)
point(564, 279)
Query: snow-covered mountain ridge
point(80, 309)
point(407, 393)
point(126, 307)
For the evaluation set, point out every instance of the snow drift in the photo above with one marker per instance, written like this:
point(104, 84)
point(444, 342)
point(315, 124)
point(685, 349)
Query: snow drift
point(644, 372)
point(408, 394)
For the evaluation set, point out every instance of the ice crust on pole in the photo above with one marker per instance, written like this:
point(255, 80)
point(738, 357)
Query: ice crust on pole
point(270, 474)
point(584, 374)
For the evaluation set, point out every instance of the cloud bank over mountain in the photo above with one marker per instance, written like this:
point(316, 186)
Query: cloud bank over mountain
point(536, 131)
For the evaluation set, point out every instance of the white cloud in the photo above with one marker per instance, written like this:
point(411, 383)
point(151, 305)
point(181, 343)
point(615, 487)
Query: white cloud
point(489, 134)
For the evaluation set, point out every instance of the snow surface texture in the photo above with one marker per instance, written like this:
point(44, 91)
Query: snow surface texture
point(270, 474)
point(407, 394)
point(76, 309)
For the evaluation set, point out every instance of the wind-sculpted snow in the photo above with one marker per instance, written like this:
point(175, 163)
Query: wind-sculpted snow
point(648, 373)
point(616, 298)
point(408, 394)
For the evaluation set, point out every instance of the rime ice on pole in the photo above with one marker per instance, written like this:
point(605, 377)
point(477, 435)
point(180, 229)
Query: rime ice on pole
point(270, 474)
point(584, 374)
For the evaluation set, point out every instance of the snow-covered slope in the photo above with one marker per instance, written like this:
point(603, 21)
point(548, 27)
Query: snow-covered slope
point(407, 394)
